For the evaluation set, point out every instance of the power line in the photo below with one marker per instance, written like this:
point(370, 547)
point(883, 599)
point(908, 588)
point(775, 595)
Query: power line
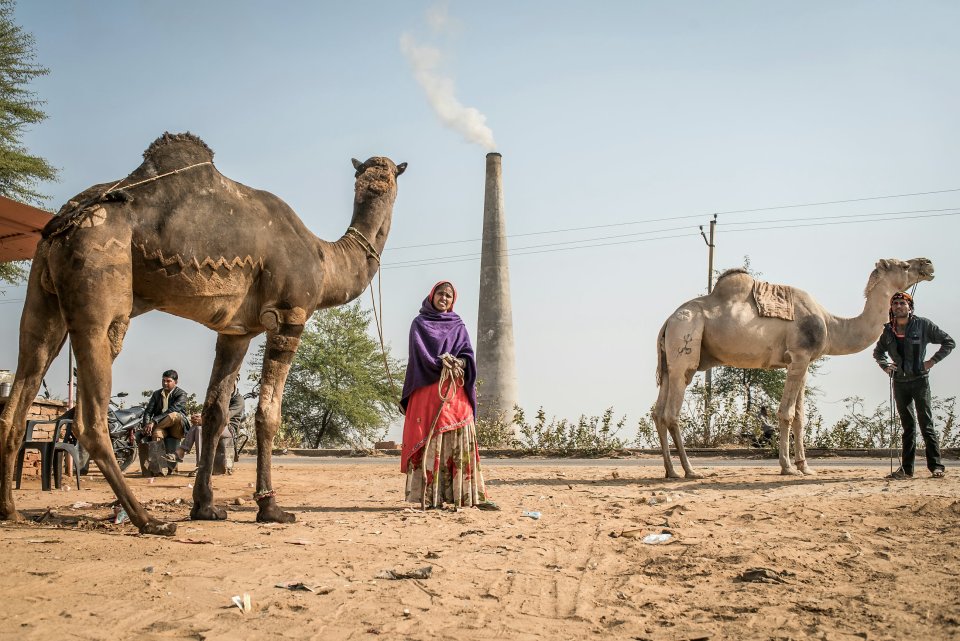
point(837, 202)
point(671, 218)
point(553, 247)
point(672, 229)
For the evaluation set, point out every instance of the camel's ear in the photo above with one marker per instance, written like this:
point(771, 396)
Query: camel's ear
point(883, 264)
point(402, 167)
point(356, 164)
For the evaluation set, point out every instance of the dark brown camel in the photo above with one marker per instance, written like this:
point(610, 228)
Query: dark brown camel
point(178, 236)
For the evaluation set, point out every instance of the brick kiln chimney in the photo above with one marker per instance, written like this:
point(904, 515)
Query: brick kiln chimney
point(496, 363)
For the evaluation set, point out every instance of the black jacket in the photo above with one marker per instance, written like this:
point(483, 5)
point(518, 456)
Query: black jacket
point(919, 333)
point(177, 402)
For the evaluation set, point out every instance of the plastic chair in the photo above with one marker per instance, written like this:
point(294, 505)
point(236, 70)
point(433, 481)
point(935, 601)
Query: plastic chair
point(45, 447)
point(60, 448)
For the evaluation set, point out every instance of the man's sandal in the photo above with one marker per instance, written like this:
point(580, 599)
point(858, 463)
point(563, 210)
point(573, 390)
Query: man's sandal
point(939, 474)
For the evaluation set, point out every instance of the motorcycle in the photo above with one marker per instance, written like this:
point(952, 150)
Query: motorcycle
point(122, 424)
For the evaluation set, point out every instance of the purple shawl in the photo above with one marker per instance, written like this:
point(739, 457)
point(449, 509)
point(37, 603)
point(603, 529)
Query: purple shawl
point(433, 333)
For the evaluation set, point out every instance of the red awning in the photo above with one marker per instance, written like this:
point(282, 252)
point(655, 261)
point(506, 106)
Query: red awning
point(20, 227)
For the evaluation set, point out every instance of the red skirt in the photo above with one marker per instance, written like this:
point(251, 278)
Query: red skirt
point(422, 408)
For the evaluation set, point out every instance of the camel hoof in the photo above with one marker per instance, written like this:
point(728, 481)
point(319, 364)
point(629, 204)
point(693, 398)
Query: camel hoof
point(211, 513)
point(672, 475)
point(807, 470)
point(12, 515)
point(693, 475)
point(791, 471)
point(160, 528)
point(273, 514)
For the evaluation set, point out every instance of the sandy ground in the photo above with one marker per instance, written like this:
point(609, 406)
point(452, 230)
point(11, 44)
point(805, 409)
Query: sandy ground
point(844, 554)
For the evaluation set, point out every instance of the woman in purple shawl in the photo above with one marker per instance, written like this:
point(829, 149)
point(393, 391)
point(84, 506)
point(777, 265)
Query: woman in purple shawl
point(440, 455)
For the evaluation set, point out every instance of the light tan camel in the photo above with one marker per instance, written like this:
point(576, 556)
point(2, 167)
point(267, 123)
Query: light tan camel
point(725, 328)
point(178, 236)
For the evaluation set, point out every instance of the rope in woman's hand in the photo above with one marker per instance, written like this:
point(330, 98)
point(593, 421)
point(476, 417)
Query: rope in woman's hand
point(452, 371)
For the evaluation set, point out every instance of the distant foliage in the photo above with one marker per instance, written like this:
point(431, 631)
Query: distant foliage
point(588, 436)
point(19, 108)
point(861, 429)
point(337, 392)
point(496, 432)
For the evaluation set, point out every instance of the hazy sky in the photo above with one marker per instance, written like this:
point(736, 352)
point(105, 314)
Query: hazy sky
point(609, 116)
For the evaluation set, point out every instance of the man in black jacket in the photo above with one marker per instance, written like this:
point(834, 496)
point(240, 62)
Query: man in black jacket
point(905, 339)
point(165, 419)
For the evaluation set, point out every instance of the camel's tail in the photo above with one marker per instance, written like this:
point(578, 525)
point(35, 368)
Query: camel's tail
point(661, 355)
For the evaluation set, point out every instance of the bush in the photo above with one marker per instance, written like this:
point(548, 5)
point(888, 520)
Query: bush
point(589, 436)
point(495, 432)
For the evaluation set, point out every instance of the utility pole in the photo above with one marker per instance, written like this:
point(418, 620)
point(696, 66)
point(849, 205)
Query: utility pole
point(708, 376)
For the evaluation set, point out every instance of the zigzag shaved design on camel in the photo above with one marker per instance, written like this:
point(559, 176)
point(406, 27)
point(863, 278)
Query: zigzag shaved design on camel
point(214, 265)
point(113, 243)
point(229, 265)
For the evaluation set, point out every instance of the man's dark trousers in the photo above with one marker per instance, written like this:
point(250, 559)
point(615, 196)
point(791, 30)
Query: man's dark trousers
point(910, 394)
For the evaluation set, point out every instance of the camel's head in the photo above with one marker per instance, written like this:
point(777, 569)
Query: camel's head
point(901, 274)
point(376, 179)
point(378, 161)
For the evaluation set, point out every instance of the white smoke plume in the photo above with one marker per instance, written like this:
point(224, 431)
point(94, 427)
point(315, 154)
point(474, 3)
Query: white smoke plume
point(427, 63)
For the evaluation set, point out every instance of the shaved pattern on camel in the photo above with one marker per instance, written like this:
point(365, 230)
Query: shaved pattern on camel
point(176, 265)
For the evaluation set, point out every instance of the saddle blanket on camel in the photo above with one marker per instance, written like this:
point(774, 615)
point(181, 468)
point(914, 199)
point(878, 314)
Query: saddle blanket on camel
point(773, 301)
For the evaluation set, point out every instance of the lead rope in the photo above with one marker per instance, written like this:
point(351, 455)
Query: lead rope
point(893, 430)
point(447, 374)
point(357, 236)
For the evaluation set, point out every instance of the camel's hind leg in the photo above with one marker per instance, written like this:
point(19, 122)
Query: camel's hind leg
point(97, 301)
point(96, 345)
point(230, 353)
point(42, 333)
point(277, 358)
point(679, 354)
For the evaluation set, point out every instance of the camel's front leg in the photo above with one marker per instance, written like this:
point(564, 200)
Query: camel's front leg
point(799, 416)
point(277, 358)
point(796, 373)
point(226, 364)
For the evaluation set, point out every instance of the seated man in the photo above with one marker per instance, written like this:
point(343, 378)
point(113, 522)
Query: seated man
point(164, 419)
point(223, 459)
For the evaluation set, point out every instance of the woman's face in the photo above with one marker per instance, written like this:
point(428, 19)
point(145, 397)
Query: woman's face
point(443, 298)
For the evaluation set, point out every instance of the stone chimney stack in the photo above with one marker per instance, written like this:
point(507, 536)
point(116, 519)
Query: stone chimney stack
point(496, 362)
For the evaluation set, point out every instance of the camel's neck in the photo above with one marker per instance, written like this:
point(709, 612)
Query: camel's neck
point(852, 335)
point(348, 264)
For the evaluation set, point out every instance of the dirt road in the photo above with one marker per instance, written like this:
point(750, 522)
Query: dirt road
point(750, 555)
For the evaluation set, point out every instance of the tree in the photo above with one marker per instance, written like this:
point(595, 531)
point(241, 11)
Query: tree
point(20, 171)
point(338, 392)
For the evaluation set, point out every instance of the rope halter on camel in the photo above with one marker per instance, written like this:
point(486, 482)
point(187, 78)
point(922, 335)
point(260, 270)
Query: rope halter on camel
point(356, 236)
